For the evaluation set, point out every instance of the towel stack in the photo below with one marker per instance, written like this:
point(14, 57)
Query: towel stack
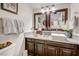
point(12, 26)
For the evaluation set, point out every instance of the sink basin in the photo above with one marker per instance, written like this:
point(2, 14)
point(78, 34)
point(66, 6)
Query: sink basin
point(52, 32)
point(57, 36)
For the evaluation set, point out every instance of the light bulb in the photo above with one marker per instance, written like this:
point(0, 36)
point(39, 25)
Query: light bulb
point(47, 10)
point(42, 10)
point(53, 8)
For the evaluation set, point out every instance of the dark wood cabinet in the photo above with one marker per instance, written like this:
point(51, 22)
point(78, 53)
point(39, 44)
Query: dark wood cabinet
point(41, 47)
point(51, 51)
point(30, 47)
point(67, 52)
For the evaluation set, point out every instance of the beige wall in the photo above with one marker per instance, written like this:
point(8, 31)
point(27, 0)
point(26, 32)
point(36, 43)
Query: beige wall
point(24, 13)
point(75, 11)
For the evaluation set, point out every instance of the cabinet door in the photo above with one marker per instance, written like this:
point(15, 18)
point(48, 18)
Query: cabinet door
point(30, 48)
point(39, 49)
point(67, 52)
point(51, 51)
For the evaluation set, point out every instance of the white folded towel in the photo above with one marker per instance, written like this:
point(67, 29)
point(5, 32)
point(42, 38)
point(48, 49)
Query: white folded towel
point(20, 26)
point(12, 25)
point(9, 26)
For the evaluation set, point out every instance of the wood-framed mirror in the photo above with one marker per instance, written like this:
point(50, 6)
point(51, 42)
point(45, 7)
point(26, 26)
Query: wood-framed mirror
point(58, 19)
point(51, 21)
point(40, 21)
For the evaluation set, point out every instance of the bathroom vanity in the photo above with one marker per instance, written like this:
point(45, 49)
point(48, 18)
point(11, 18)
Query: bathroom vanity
point(38, 45)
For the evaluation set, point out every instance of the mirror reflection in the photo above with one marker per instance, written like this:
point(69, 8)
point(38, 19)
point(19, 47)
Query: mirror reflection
point(52, 21)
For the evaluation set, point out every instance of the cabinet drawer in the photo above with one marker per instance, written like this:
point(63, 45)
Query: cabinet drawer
point(28, 39)
point(39, 41)
point(59, 44)
point(51, 50)
point(67, 52)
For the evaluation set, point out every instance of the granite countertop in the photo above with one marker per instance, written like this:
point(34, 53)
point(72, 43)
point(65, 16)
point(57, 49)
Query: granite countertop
point(46, 37)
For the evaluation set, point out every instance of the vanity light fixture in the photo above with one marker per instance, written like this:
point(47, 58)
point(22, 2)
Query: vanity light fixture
point(53, 8)
point(48, 9)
